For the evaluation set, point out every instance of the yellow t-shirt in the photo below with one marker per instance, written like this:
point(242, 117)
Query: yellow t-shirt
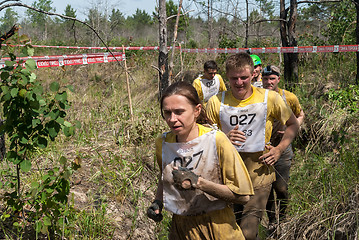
point(260, 173)
point(197, 85)
point(293, 102)
point(219, 224)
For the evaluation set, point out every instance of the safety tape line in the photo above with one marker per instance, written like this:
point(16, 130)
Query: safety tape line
point(299, 49)
point(69, 60)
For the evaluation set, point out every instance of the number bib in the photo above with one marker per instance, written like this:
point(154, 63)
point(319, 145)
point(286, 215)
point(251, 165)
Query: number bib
point(251, 120)
point(209, 87)
point(200, 156)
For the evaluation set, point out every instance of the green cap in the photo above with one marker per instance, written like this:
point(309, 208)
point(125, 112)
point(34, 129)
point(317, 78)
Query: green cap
point(256, 60)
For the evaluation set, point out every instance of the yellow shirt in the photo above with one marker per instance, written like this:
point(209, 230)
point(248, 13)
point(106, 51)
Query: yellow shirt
point(197, 85)
point(218, 224)
point(260, 173)
point(293, 102)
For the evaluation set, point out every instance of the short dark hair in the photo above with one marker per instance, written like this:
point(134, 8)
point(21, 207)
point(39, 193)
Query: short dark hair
point(210, 65)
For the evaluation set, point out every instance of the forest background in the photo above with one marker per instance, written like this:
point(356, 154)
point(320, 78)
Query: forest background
point(97, 178)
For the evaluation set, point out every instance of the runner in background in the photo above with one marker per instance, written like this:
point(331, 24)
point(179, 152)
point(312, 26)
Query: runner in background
point(271, 78)
point(246, 114)
point(210, 83)
point(201, 172)
point(257, 79)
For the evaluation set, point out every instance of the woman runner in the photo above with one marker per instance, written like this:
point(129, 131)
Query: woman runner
point(201, 172)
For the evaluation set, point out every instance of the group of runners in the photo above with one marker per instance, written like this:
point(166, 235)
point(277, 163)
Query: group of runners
point(227, 151)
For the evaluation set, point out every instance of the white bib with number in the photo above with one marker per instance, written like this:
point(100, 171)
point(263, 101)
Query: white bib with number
point(251, 120)
point(210, 87)
point(200, 156)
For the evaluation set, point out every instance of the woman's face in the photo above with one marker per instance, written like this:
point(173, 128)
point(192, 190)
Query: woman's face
point(180, 115)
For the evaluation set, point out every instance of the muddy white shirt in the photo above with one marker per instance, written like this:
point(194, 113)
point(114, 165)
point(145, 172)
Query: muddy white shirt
point(200, 156)
point(207, 88)
point(251, 120)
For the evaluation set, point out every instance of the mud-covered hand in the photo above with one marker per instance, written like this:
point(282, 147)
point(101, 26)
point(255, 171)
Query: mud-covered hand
point(154, 211)
point(185, 178)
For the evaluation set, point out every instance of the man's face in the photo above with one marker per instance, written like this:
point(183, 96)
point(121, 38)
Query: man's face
point(257, 70)
point(209, 73)
point(240, 82)
point(271, 82)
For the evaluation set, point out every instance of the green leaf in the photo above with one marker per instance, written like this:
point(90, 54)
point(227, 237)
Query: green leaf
point(68, 131)
point(35, 122)
point(14, 92)
point(30, 64)
point(25, 72)
point(77, 124)
point(5, 89)
point(47, 221)
point(16, 224)
point(63, 160)
point(35, 184)
point(38, 226)
point(24, 140)
point(25, 165)
point(54, 86)
point(71, 88)
point(67, 124)
point(32, 77)
point(42, 102)
point(4, 75)
point(30, 51)
point(61, 96)
point(54, 114)
point(60, 120)
point(52, 132)
point(9, 63)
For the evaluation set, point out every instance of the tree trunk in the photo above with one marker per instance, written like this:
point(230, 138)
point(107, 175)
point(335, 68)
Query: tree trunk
point(163, 51)
point(357, 40)
point(288, 37)
point(247, 25)
point(210, 23)
point(171, 64)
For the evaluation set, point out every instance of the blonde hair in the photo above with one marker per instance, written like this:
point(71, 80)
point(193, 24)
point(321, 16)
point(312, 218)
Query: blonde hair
point(239, 61)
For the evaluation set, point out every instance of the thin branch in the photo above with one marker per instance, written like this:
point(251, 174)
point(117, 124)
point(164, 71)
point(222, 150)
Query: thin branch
point(1, 3)
point(182, 14)
point(269, 20)
point(319, 2)
point(62, 16)
point(7, 35)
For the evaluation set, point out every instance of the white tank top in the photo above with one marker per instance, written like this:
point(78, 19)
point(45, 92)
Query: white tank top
point(210, 87)
point(251, 120)
point(200, 156)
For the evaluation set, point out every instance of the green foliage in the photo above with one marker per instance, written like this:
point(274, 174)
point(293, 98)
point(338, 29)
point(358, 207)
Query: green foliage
point(34, 117)
point(347, 98)
point(267, 8)
point(49, 197)
point(139, 20)
point(36, 18)
point(341, 26)
point(8, 20)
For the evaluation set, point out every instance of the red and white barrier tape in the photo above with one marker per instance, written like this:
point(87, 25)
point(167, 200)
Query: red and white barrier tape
point(69, 60)
point(300, 49)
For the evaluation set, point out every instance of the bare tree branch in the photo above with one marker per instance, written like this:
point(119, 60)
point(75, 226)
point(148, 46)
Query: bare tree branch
point(1, 3)
point(182, 14)
point(319, 2)
point(7, 35)
point(269, 20)
point(62, 16)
